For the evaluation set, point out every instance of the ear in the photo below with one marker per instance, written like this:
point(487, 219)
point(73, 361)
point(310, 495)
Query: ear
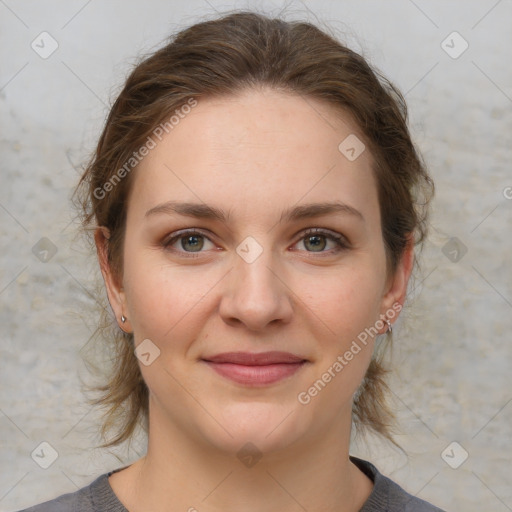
point(115, 292)
point(396, 286)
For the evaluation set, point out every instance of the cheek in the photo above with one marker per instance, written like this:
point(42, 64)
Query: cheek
point(347, 310)
point(346, 301)
point(164, 299)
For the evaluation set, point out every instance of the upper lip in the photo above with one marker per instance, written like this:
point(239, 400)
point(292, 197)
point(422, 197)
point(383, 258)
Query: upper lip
point(255, 359)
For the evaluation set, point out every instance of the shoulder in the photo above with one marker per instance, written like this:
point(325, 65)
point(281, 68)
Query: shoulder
point(95, 497)
point(387, 496)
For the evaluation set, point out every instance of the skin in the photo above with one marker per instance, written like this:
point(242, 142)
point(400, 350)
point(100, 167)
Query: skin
point(253, 155)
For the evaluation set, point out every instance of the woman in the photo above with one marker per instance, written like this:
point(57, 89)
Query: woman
point(257, 201)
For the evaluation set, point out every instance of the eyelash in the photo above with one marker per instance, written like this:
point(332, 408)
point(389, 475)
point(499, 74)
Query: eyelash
point(340, 241)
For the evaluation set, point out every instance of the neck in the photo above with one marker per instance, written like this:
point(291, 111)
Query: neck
point(185, 473)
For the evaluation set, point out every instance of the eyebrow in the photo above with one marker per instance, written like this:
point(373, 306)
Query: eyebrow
point(204, 211)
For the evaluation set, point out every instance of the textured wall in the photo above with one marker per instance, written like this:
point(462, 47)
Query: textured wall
point(452, 348)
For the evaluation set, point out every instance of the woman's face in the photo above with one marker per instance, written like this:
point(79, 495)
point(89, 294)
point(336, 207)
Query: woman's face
point(251, 275)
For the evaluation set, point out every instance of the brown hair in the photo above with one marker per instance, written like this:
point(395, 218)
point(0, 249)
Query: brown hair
point(221, 57)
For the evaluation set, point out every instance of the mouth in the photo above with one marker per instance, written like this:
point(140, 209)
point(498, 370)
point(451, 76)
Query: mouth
point(255, 369)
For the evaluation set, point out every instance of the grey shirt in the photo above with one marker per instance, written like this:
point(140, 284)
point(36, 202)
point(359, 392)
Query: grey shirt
point(98, 496)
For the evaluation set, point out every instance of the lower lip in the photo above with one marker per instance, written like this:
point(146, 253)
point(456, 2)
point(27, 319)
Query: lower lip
point(255, 375)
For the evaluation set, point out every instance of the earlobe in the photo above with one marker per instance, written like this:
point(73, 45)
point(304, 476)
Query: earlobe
point(113, 286)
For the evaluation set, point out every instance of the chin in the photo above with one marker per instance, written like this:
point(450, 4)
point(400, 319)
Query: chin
point(258, 426)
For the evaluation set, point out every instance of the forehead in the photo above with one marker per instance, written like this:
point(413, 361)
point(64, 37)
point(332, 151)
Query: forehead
point(258, 149)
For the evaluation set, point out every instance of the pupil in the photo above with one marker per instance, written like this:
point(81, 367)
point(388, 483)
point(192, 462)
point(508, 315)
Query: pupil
point(193, 241)
point(317, 241)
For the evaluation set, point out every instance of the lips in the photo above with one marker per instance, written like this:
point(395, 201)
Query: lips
point(256, 359)
point(255, 369)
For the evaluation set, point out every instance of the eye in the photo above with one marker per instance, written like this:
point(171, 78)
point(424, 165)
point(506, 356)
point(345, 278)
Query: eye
point(187, 241)
point(191, 242)
point(316, 240)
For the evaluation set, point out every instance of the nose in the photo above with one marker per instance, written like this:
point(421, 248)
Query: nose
point(256, 294)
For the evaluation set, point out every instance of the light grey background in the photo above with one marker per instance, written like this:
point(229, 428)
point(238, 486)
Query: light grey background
point(452, 348)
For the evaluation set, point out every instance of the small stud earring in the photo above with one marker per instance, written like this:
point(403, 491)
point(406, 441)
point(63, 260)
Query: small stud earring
point(123, 319)
point(390, 329)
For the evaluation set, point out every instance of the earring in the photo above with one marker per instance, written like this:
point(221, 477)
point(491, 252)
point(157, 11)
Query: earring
point(123, 319)
point(390, 329)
